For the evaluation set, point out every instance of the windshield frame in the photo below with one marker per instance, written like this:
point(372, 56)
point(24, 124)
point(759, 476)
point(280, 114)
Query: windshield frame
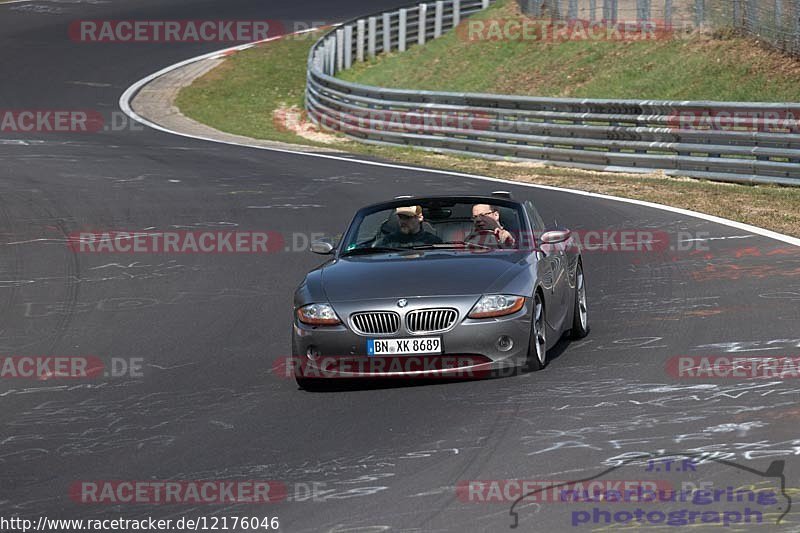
point(355, 223)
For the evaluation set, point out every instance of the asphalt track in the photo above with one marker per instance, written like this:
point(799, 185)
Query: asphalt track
point(209, 327)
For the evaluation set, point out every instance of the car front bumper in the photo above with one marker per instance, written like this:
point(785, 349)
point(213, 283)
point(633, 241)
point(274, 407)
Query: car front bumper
point(470, 348)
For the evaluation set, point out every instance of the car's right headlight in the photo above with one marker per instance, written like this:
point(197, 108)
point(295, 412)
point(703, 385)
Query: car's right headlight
point(493, 305)
point(318, 315)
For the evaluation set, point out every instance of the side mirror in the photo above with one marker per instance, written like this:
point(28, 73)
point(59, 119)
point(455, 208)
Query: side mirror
point(556, 236)
point(322, 247)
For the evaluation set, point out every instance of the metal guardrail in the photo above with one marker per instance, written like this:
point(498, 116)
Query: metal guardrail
point(723, 141)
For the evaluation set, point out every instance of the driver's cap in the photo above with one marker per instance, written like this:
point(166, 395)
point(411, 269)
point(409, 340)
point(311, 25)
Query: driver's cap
point(409, 211)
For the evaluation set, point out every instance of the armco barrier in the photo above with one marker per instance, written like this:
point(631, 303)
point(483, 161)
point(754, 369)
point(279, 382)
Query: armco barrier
point(723, 141)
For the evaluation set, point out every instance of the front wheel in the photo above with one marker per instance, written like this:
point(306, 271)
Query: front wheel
point(580, 317)
point(537, 349)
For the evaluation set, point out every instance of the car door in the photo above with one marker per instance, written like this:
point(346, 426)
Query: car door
point(552, 272)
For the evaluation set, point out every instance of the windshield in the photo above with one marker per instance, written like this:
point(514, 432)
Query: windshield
point(433, 225)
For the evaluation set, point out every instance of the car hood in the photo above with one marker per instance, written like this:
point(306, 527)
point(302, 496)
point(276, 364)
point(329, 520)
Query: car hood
point(429, 273)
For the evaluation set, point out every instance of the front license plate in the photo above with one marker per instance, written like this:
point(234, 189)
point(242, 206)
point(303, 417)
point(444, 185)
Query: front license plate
point(413, 346)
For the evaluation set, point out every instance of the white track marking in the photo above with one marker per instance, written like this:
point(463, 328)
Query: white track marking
point(127, 96)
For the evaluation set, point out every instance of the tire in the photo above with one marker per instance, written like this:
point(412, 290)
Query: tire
point(537, 347)
point(580, 315)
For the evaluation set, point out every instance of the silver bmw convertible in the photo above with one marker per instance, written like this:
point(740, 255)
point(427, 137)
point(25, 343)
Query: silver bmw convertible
point(438, 286)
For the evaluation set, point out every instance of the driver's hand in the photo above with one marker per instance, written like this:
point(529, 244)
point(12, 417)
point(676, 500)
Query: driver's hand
point(488, 223)
point(504, 236)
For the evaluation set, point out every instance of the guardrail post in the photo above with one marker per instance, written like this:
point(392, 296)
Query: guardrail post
point(339, 50)
point(779, 18)
point(386, 24)
point(422, 23)
point(331, 49)
point(614, 10)
point(572, 10)
point(534, 8)
point(456, 12)
point(348, 46)
point(554, 8)
point(700, 12)
point(668, 14)
point(797, 26)
point(749, 15)
point(484, 4)
point(360, 30)
point(401, 30)
point(592, 8)
point(372, 29)
point(437, 19)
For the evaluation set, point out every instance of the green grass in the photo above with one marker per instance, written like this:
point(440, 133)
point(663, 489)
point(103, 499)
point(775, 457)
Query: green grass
point(687, 67)
point(242, 94)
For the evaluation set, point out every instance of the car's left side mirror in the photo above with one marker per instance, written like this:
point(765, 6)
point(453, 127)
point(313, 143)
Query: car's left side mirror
point(556, 236)
point(322, 247)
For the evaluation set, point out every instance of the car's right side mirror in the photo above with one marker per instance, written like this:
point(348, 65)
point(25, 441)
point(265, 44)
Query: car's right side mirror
point(322, 247)
point(556, 236)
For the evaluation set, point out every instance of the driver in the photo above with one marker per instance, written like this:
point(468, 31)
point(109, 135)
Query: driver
point(486, 220)
point(410, 231)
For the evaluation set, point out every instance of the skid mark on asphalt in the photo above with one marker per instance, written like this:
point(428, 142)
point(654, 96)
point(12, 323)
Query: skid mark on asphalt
point(145, 272)
point(103, 424)
point(43, 309)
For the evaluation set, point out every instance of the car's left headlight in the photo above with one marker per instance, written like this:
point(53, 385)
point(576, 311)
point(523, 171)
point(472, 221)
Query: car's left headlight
point(493, 305)
point(318, 315)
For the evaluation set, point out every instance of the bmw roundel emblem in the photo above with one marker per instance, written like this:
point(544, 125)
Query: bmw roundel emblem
point(402, 302)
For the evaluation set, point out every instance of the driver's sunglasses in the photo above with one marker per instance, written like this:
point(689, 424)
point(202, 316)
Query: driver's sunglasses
point(406, 217)
point(478, 217)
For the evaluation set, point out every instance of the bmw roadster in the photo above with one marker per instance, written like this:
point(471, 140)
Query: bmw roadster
point(443, 285)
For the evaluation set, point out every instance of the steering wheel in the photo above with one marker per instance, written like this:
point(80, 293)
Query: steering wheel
point(484, 237)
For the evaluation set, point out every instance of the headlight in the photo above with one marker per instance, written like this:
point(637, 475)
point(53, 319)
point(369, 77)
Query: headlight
point(496, 305)
point(318, 315)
